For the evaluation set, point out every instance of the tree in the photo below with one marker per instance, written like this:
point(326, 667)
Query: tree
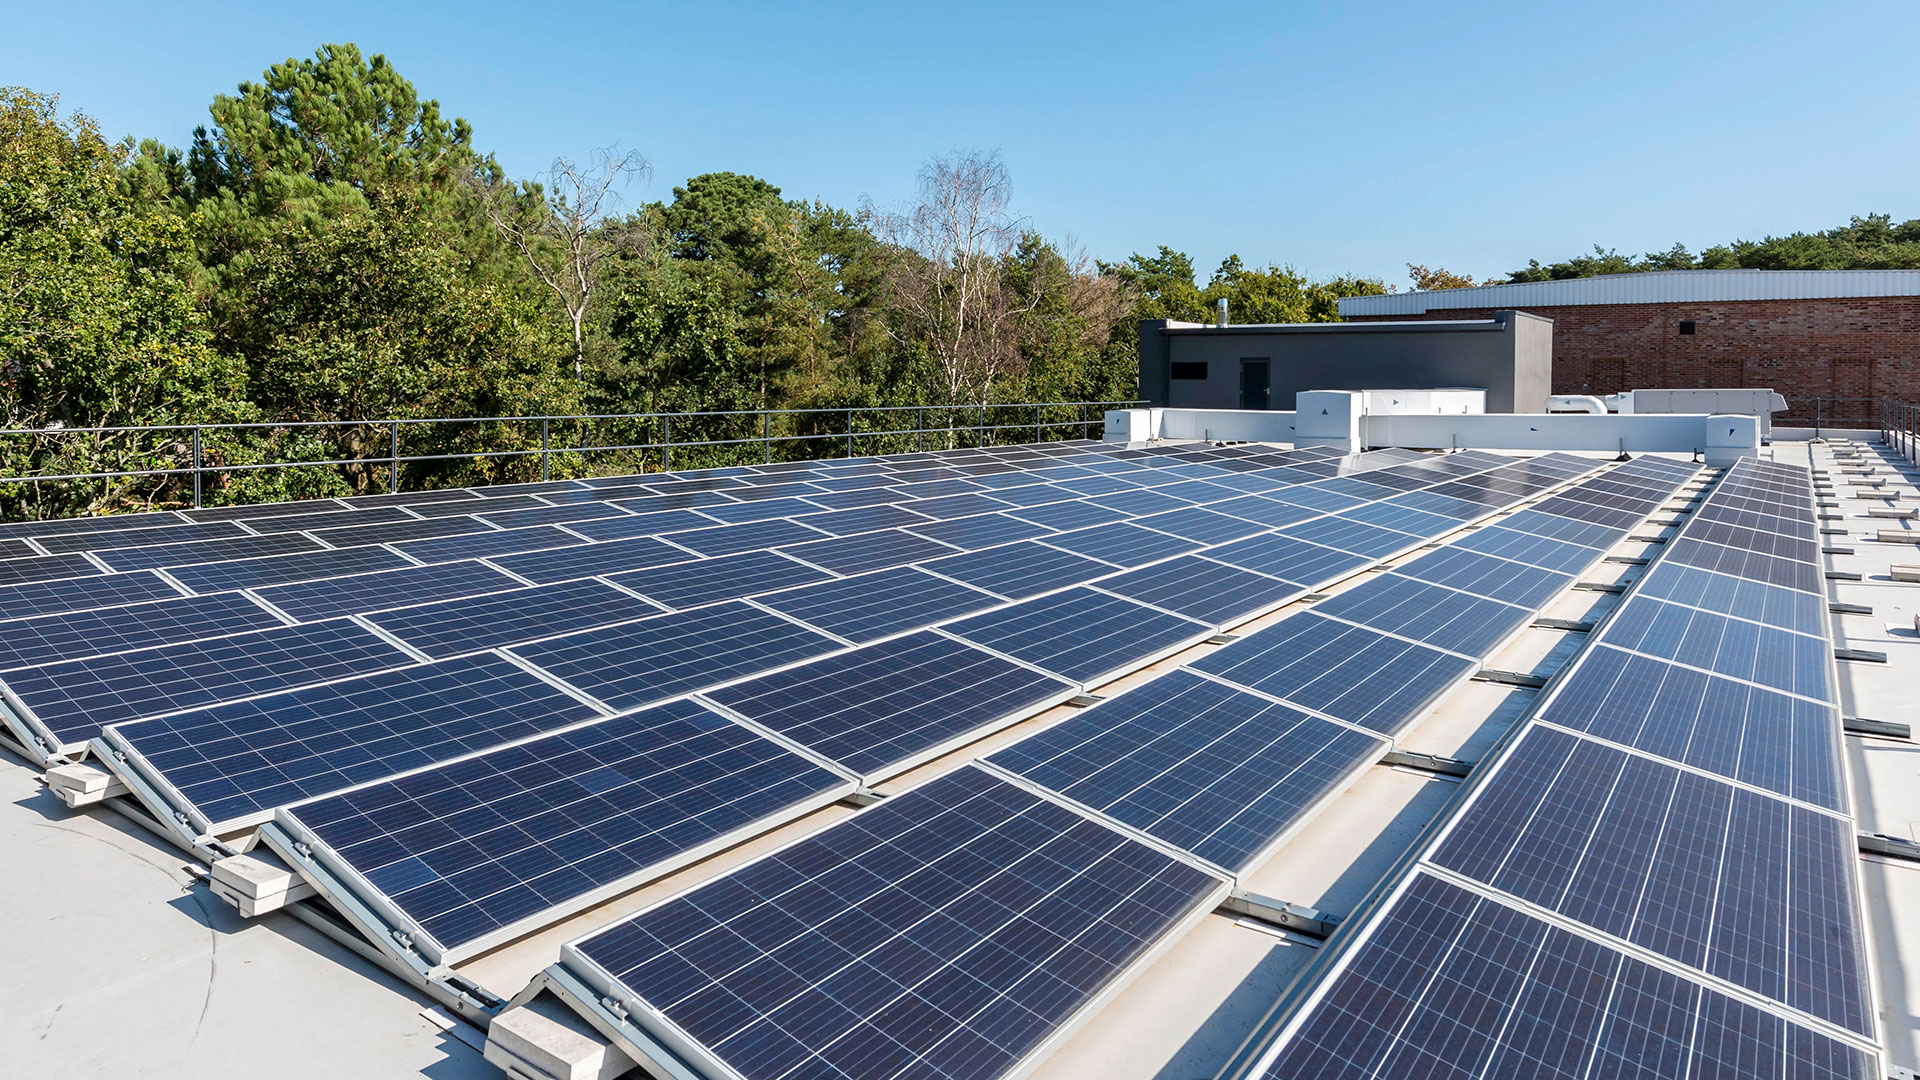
point(1426, 280)
point(98, 326)
point(946, 278)
point(562, 231)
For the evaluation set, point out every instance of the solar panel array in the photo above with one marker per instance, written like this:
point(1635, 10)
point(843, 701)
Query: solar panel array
point(1657, 875)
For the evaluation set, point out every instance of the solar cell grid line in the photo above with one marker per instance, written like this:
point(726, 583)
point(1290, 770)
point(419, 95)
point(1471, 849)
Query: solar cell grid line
point(477, 622)
point(716, 540)
point(1535, 522)
point(228, 766)
point(1281, 556)
point(551, 515)
point(1632, 847)
point(45, 639)
point(338, 515)
point(413, 498)
point(1491, 577)
point(66, 543)
point(637, 663)
point(682, 586)
point(767, 492)
point(1451, 983)
point(1213, 770)
point(46, 568)
point(867, 551)
point(1120, 543)
point(590, 560)
point(1740, 598)
point(1445, 618)
point(763, 510)
point(72, 700)
point(482, 545)
point(1372, 541)
point(1514, 545)
point(980, 531)
point(1074, 514)
point(84, 593)
point(1786, 573)
point(1033, 495)
point(691, 500)
point(879, 710)
point(164, 556)
point(13, 549)
point(1201, 524)
point(650, 523)
point(329, 598)
point(859, 519)
point(1018, 570)
point(470, 853)
point(874, 605)
point(1081, 635)
point(975, 922)
point(273, 569)
point(1752, 652)
point(102, 523)
point(1201, 589)
point(1350, 673)
point(356, 535)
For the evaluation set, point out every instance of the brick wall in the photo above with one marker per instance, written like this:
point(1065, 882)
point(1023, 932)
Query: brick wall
point(1804, 349)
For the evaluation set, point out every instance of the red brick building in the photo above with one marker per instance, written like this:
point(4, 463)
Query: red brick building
point(1841, 336)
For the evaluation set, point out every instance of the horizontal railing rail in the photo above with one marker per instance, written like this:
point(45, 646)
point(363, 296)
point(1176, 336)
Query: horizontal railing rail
point(182, 452)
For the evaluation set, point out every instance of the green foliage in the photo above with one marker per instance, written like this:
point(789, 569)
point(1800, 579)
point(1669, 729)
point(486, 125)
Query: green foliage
point(1872, 242)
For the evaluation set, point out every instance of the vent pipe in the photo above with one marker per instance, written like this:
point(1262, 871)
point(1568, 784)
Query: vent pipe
point(1220, 312)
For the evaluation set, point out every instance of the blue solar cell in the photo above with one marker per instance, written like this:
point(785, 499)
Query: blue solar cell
point(45, 568)
point(487, 544)
point(1540, 551)
point(1121, 543)
point(1019, 570)
point(1788, 609)
point(1203, 525)
point(1356, 536)
point(472, 623)
point(979, 531)
point(945, 932)
point(1080, 634)
point(589, 560)
point(170, 533)
point(1586, 534)
point(654, 523)
point(762, 510)
point(311, 601)
point(746, 536)
point(239, 760)
point(1263, 511)
point(1037, 494)
point(860, 519)
point(273, 569)
point(1404, 519)
point(162, 556)
point(1435, 503)
point(1281, 556)
point(82, 594)
point(869, 606)
point(1484, 575)
point(551, 515)
point(45, 639)
point(1796, 663)
point(687, 500)
point(1068, 515)
point(485, 845)
point(848, 500)
point(1210, 769)
point(357, 535)
point(1347, 672)
point(76, 698)
point(1140, 503)
point(650, 660)
point(729, 577)
point(884, 707)
point(1201, 589)
point(1441, 617)
point(868, 551)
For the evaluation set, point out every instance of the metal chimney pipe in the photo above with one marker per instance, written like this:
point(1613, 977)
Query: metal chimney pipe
point(1220, 312)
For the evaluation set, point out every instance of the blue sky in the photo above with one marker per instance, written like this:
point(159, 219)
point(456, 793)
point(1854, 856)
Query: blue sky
point(1339, 138)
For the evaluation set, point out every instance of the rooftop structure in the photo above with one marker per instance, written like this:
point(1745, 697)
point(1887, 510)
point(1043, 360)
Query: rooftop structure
point(1125, 759)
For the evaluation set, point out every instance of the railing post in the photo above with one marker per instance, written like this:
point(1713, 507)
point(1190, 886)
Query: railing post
point(393, 470)
point(849, 432)
point(766, 433)
point(196, 466)
point(920, 428)
point(546, 472)
point(666, 442)
point(1086, 431)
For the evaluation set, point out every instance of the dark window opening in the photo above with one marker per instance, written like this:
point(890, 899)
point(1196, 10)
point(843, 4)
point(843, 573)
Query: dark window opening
point(1686, 327)
point(1190, 369)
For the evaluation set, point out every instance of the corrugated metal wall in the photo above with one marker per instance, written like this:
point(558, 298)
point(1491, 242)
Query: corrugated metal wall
point(1658, 287)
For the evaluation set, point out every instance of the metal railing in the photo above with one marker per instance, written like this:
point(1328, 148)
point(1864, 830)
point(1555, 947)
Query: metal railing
point(1900, 427)
point(1847, 413)
point(182, 464)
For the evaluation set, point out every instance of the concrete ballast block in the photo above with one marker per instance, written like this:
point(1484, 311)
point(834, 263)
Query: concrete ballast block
point(80, 784)
point(255, 886)
point(1905, 572)
point(544, 1041)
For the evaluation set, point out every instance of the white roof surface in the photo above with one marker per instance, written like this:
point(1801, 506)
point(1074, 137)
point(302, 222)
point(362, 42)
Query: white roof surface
point(1653, 287)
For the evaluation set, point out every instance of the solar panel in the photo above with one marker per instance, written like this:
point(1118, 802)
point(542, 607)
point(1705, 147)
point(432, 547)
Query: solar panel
point(45, 568)
point(1358, 537)
point(762, 510)
point(1017, 571)
point(746, 536)
point(653, 504)
point(885, 707)
point(1202, 589)
point(1080, 634)
point(1140, 502)
point(233, 763)
point(76, 698)
point(1347, 672)
point(1121, 543)
point(1752, 565)
point(1263, 511)
point(1435, 503)
point(1100, 484)
point(859, 519)
point(706, 581)
point(248, 511)
point(473, 850)
point(588, 560)
point(321, 518)
point(235, 547)
point(770, 492)
point(639, 663)
point(1441, 617)
point(472, 623)
point(61, 544)
point(45, 639)
point(105, 524)
point(1760, 737)
point(551, 515)
point(1544, 552)
point(1406, 519)
point(1204, 526)
point(654, 523)
point(1210, 769)
point(356, 535)
point(1284, 557)
point(81, 594)
point(849, 500)
point(1457, 985)
point(311, 601)
point(979, 531)
point(869, 606)
point(273, 569)
point(868, 551)
point(1709, 875)
point(1796, 663)
point(1788, 609)
point(1067, 515)
point(946, 932)
point(1486, 576)
point(413, 498)
point(487, 544)
point(1586, 534)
